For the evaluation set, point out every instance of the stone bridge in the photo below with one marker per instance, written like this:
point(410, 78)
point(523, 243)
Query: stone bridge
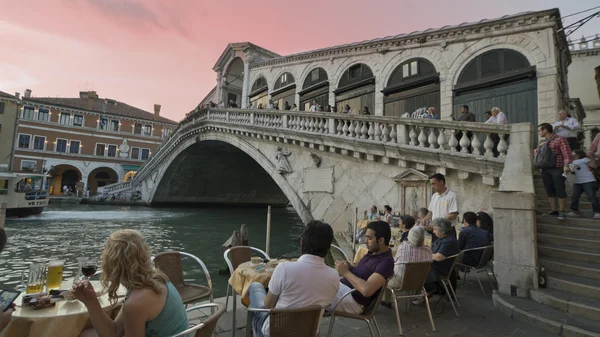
point(329, 163)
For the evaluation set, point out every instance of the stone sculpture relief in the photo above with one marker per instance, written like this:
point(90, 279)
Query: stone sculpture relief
point(316, 159)
point(283, 165)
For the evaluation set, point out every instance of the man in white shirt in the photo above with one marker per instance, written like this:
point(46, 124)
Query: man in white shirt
point(498, 117)
point(444, 203)
point(314, 107)
point(309, 281)
point(567, 127)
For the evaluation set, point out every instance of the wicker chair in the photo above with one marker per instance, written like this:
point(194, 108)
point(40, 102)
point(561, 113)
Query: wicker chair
point(300, 322)
point(170, 264)
point(206, 328)
point(235, 256)
point(486, 256)
point(368, 315)
point(448, 285)
point(413, 284)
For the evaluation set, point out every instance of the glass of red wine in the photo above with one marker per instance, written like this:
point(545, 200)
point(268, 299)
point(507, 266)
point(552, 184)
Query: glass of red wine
point(89, 267)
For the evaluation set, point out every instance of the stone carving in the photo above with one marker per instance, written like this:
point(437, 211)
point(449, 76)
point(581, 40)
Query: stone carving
point(283, 165)
point(316, 159)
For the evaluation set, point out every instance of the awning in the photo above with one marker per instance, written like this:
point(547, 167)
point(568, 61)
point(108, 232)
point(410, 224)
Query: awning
point(128, 168)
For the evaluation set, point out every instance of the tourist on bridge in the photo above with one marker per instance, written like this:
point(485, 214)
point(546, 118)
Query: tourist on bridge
point(567, 127)
point(552, 172)
point(293, 283)
point(585, 181)
point(369, 275)
point(152, 306)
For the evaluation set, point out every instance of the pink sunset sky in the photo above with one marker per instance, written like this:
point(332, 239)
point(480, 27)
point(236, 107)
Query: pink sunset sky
point(162, 51)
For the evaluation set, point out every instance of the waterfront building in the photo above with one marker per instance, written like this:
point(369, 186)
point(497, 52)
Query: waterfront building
point(85, 141)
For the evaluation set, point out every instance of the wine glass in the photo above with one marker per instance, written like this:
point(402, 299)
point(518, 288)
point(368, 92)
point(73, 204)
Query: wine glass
point(89, 267)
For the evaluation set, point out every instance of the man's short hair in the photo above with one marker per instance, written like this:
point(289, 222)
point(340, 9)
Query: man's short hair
point(423, 210)
point(466, 107)
point(408, 221)
point(317, 238)
point(382, 230)
point(547, 127)
point(442, 225)
point(438, 177)
point(470, 218)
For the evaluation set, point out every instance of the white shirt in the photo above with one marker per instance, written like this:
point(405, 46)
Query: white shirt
point(583, 174)
point(308, 281)
point(314, 108)
point(443, 204)
point(571, 131)
point(500, 118)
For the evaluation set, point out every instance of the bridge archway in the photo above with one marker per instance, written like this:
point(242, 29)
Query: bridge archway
point(234, 82)
point(263, 183)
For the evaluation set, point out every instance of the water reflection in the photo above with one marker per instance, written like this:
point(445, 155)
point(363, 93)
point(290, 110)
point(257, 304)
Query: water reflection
point(71, 231)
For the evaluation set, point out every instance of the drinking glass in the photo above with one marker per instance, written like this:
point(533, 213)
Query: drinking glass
point(35, 278)
point(88, 267)
point(55, 273)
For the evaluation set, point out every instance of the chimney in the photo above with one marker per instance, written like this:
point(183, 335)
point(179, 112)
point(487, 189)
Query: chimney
point(91, 99)
point(156, 111)
point(27, 93)
point(17, 95)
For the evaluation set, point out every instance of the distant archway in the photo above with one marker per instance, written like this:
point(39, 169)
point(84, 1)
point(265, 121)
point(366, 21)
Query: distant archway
point(233, 83)
point(284, 91)
point(101, 176)
point(356, 89)
point(315, 88)
point(259, 94)
point(63, 175)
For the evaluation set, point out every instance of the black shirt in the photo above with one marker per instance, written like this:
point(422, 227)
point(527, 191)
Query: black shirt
point(447, 246)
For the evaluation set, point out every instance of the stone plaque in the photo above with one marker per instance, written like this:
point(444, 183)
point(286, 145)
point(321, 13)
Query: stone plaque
point(318, 180)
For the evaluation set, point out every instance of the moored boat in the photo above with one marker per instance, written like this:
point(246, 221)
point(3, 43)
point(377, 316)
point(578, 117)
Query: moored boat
point(24, 193)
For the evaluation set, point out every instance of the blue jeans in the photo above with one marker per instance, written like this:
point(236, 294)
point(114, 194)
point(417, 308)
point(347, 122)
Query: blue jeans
point(257, 294)
point(590, 191)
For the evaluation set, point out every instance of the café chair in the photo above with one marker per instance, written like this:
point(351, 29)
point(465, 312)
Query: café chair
point(368, 315)
point(170, 264)
point(448, 285)
point(299, 322)
point(484, 265)
point(413, 286)
point(235, 256)
point(341, 251)
point(206, 328)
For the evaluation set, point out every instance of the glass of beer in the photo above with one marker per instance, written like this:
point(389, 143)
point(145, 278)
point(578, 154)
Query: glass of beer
point(55, 272)
point(35, 278)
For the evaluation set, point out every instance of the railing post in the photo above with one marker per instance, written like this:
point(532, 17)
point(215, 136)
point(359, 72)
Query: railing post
point(402, 132)
point(252, 118)
point(227, 116)
point(284, 121)
point(331, 125)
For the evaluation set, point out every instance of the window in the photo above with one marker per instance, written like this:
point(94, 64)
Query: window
point(78, 120)
point(103, 123)
point(166, 132)
point(145, 154)
point(74, 146)
point(314, 75)
point(24, 141)
point(64, 118)
point(1, 107)
point(354, 71)
point(135, 153)
point(114, 125)
point(43, 115)
point(61, 145)
point(28, 112)
point(112, 151)
point(28, 165)
point(39, 143)
point(147, 130)
point(137, 129)
point(100, 149)
point(410, 69)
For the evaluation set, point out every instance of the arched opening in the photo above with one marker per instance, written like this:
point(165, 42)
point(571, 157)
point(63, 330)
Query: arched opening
point(315, 88)
point(499, 78)
point(61, 176)
point(259, 94)
point(356, 89)
point(284, 92)
point(215, 172)
point(101, 176)
point(414, 85)
point(234, 82)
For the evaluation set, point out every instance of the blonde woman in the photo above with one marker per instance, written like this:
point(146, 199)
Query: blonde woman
point(152, 305)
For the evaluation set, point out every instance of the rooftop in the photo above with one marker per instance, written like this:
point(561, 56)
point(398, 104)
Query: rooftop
point(6, 95)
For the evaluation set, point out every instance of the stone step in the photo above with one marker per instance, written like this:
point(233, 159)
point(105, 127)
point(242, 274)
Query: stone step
point(583, 204)
point(570, 253)
point(584, 213)
point(569, 240)
point(574, 284)
point(580, 222)
point(568, 230)
point(551, 320)
point(577, 268)
point(573, 304)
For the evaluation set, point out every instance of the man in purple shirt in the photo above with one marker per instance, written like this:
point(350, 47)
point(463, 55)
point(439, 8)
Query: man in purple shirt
point(371, 273)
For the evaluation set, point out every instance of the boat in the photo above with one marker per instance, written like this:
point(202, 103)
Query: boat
point(25, 194)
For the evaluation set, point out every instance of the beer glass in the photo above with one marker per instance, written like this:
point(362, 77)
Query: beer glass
point(55, 272)
point(35, 279)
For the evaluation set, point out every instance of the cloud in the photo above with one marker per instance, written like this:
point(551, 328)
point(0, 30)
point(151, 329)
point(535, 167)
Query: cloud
point(15, 78)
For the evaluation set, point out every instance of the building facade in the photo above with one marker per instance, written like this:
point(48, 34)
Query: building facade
point(85, 142)
point(518, 63)
point(9, 112)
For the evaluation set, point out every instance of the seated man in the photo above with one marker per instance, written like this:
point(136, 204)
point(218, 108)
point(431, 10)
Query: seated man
point(470, 237)
point(371, 273)
point(293, 283)
point(442, 249)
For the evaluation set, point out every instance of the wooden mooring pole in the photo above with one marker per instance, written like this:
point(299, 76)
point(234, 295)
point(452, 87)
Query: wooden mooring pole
point(268, 244)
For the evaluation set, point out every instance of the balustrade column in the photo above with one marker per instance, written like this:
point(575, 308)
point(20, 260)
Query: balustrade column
point(331, 126)
point(227, 116)
point(284, 120)
point(252, 118)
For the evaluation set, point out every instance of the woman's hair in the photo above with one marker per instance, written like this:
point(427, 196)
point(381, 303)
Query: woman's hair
point(126, 260)
point(388, 208)
point(485, 221)
point(444, 226)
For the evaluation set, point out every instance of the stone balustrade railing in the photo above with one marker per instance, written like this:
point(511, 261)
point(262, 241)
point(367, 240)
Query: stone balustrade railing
point(115, 188)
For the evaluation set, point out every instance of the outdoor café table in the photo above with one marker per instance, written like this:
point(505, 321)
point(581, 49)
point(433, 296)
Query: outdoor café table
point(246, 273)
point(65, 319)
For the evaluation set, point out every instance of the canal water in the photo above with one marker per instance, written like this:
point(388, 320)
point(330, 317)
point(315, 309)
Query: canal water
point(70, 231)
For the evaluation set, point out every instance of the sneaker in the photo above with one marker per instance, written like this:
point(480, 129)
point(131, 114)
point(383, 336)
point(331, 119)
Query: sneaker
point(596, 215)
point(418, 301)
point(552, 213)
point(561, 215)
point(574, 214)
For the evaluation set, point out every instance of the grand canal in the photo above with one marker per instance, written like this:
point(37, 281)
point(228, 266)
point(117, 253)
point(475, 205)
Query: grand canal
point(70, 231)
